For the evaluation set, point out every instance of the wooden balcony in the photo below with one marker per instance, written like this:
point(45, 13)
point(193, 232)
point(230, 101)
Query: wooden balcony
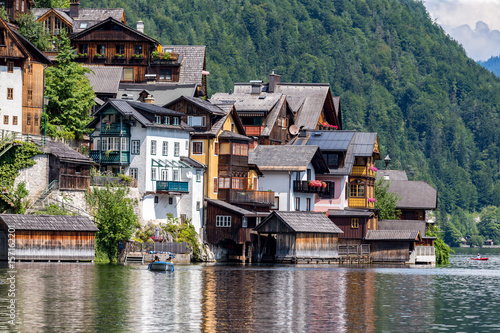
point(362, 171)
point(246, 196)
point(111, 157)
point(253, 130)
point(172, 186)
point(304, 187)
point(360, 203)
point(114, 128)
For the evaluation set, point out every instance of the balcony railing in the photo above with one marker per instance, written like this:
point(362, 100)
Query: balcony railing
point(304, 187)
point(360, 203)
point(247, 196)
point(112, 157)
point(105, 180)
point(362, 171)
point(172, 186)
point(253, 130)
point(114, 128)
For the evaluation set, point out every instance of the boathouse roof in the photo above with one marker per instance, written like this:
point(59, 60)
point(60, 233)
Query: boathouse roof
point(47, 222)
point(298, 222)
point(393, 235)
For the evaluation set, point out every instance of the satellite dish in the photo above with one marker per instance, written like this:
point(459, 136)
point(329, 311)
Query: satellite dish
point(189, 175)
point(294, 130)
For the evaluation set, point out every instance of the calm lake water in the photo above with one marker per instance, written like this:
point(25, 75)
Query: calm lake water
point(51, 297)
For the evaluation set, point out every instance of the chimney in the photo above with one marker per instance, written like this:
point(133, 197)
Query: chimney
point(74, 6)
point(274, 79)
point(256, 86)
point(140, 26)
point(150, 99)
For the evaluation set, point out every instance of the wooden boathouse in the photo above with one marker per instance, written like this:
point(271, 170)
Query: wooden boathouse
point(294, 236)
point(47, 237)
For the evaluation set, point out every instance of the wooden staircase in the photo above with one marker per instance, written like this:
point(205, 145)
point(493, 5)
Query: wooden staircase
point(134, 258)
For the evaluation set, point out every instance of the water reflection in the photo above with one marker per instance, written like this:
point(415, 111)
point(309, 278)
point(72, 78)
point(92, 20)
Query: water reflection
point(265, 298)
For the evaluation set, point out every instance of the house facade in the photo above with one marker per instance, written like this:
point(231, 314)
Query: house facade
point(150, 144)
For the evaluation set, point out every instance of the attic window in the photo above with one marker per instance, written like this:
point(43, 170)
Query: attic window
point(83, 25)
point(157, 119)
point(2, 38)
point(175, 121)
point(262, 97)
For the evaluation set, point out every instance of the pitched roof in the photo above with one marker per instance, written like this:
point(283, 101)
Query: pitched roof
point(394, 235)
point(192, 63)
point(162, 93)
point(303, 222)
point(402, 225)
point(232, 135)
point(414, 194)
point(349, 213)
point(364, 144)
point(35, 53)
point(63, 152)
point(229, 207)
point(201, 103)
point(245, 103)
point(104, 79)
point(192, 162)
point(91, 16)
point(288, 158)
point(392, 175)
point(48, 222)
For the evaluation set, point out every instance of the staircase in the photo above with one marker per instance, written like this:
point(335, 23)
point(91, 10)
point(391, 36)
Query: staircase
point(7, 141)
point(39, 203)
point(134, 258)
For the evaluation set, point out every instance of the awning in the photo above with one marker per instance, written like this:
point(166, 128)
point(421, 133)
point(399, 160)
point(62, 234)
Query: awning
point(166, 163)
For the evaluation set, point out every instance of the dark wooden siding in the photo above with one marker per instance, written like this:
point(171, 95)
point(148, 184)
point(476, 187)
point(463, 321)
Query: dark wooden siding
point(388, 251)
point(216, 234)
point(344, 223)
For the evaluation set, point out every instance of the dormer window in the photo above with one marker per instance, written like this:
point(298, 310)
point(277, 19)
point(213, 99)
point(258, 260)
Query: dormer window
point(166, 120)
point(196, 121)
point(175, 121)
point(157, 119)
point(332, 160)
point(138, 49)
point(83, 25)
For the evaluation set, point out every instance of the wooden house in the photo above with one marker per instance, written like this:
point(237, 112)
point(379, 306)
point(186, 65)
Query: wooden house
point(295, 235)
point(15, 8)
point(392, 245)
point(355, 224)
point(21, 82)
point(47, 237)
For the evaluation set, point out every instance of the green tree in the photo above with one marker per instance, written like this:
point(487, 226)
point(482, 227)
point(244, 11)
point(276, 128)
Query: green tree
point(3, 14)
point(451, 235)
point(183, 232)
point(34, 31)
point(115, 218)
point(386, 201)
point(15, 197)
point(489, 225)
point(442, 249)
point(71, 95)
point(52, 3)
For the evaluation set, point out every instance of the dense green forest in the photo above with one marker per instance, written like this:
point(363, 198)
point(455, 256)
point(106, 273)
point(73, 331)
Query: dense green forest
point(397, 73)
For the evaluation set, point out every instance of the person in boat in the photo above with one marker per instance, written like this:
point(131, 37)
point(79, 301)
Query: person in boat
point(478, 256)
point(156, 259)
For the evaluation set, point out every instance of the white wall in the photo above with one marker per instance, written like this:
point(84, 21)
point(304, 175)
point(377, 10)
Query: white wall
point(11, 107)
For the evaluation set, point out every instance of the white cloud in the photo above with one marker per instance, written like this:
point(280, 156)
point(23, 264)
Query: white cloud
point(458, 16)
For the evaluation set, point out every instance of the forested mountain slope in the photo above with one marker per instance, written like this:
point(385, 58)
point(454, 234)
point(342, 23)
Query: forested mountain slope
point(435, 110)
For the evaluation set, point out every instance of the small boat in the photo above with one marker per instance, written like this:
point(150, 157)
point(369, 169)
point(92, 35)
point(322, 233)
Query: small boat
point(161, 266)
point(481, 259)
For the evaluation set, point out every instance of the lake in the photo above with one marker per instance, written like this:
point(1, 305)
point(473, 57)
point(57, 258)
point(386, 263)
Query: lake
point(71, 297)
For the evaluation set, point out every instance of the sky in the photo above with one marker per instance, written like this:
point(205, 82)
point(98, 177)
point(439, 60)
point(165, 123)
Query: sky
point(473, 23)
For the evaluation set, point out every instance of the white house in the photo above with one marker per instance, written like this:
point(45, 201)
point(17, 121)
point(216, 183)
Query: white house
point(290, 171)
point(11, 96)
point(150, 144)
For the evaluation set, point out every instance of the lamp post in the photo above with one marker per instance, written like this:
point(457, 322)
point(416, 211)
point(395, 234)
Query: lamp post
point(387, 160)
point(45, 103)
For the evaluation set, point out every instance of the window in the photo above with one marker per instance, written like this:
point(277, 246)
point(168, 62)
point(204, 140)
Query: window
point(175, 121)
point(187, 145)
point(244, 222)
point(170, 201)
point(153, 147)
point(197, 147)
point(157, 119)
point(332, 160)
point(255, 183)
point(166, 74)
point(83, 49)
point(30, 69)
point(198, 176)
point(37, 119)
point(196, 121)
point(111, 143)
point(165, 148)
point(216, 184)
point(133, 173)
point(138, 49)
point(176, 149)
point(128, 74)
point(153, 174)
point(297, 204)
point(176, 175)
point(14, 120)
point(166, 120)
point(10, 66)
point(2, 37)
point(309, 174)
point(240, 149)
point(223, 221)
point(83, 25)
point(355, 223)
point(216, 148)
point(308, 204)
point(28, 119)
point(276, 203)
point(30, 94)
point(120, 49)
point(232, 127)
point(10, 93)
point(297, 176)
point(238, 183)
point(357, 190)
point(101, 49)
point(136, 147)
point(6, 120)
point(224, 182)
point(164, 174)
point(156, 199)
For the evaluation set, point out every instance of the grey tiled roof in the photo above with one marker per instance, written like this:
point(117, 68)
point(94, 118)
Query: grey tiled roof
point(349, 213)
point(192, 64)
point(48, 222)
point(284, 157)
point(162, 93)
point(117, 22)
point(104, 79)
point(414, 194)
point(263, 102)
point(392, 174)
point(232, 135)
point(63, 151)
point(304, 222)
point(229, 207)
point(402, 225)
point(394, 235)
point(193, 163)
point(364, 143)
